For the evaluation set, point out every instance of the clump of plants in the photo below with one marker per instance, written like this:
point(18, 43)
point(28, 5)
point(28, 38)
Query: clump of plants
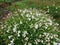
point(29, 27)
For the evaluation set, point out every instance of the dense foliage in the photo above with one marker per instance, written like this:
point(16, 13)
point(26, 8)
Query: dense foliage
point(29, 22)
point(29, 27)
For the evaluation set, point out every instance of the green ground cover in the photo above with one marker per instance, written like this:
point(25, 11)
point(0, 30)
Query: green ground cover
point(31, 23)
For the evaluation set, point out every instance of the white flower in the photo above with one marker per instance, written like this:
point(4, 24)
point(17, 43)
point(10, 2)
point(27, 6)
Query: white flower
point(47, 6)
point(24, 12)
point(48, 44)
point(7, 31)
point(40, 35)
point(19, 10)
point(36, 26)
point(38, 40)
point(2, 27)
point(15, 28)
point(48, 10)
point(29, 19)
point(48, 38)
point(51, 37)
point(40, 24)
point(46, 27)
point(24, 33)
point(44, 33)
point(55, 43)
point(31, 26)
point(50, 20)
point(57, 24)
point(9, 36)
point(20, 22)
point(46, 24)
point(33, 17)
point(56, 7)
point(25, 43)
point(12, 41)
point(18, 33)
point(10, 44)
point(37, 14)
point(42, 41)
point(29, 43)
point(50, 23)
point(31, 13)
point(26, 38)
point(58, 43)
point(27, 15)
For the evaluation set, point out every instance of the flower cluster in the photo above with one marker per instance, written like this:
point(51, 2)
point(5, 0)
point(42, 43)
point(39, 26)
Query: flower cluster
point(29, 27)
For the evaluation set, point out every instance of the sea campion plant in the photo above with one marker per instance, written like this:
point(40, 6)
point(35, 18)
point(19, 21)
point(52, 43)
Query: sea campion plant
point(29, 27)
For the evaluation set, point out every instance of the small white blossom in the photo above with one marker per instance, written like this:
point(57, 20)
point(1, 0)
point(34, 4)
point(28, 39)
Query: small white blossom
point(27, 15)
point(15, 28)
point(48, 44)
point(26, 38)
point(36, 26)
point(48, 10)
point(38, 40)
point(40, 24)
point(55, 43)
point(24, 33)
point(7, 31)
point(25, 43)
point(56, 7)
point(12, 41)
point(20, 10)
point(42, 41)
point(40, 35)
point(51, 37)
point(44, 33)
point(24, 12)
point(10, 44)
point(31, 13)
point(57, 24)
point(9, 36)
point(19, 31)
point(46, 27)
point(29, 43)
point(20, 22)
point(33, 17)
point(58, 43)
point(18, 35)
point(31, 26)
point(47, 6)
point(29, 19)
